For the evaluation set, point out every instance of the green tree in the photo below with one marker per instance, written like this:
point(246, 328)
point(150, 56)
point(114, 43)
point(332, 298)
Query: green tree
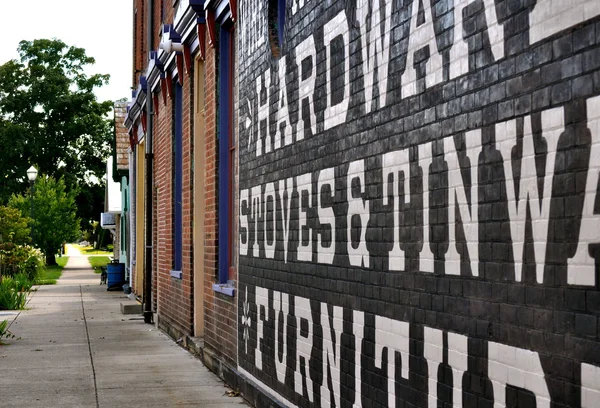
point(50, 117)
point(13, 226)
point(55, 215)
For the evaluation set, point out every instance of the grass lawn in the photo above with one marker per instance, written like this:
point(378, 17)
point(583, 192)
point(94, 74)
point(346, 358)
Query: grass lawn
point(89, 250)
point(50, 274)
point(98, 261)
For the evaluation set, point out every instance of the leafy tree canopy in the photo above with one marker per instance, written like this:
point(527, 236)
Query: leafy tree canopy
point(55, 214)
point(13, 226)
point(50, 118)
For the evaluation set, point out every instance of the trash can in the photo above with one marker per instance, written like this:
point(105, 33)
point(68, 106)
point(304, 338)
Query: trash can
point(115, 275)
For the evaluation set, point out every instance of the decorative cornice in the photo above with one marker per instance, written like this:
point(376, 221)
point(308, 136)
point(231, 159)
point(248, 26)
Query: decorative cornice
point(222, 9)
point(155, 69)
point(202, 36)
point(170, 41)
point(179, 57)
point(136, 106)
point(218, 12)
point(186, 15)
point(163, 87)
point(178, 43)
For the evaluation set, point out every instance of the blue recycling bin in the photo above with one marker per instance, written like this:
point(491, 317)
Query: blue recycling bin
point(115, 274)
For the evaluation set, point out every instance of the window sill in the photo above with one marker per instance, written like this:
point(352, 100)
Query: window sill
point(227, 289)
point(176, 274)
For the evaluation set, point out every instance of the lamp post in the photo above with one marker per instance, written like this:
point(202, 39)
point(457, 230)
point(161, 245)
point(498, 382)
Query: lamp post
point(32, 175)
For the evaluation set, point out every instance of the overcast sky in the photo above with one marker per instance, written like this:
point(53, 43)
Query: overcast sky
point(103, 28)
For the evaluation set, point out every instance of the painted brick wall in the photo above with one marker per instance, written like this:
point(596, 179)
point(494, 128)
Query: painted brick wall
point(419, 207)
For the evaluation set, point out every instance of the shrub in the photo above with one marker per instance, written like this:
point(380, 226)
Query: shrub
point(22, 283)
point(15, 259)
point(33, 265)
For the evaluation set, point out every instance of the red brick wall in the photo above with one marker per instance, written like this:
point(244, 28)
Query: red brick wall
point(139, 39)
point(175, 302)
point(173, 298)
point(220, 310)
point(122, 136)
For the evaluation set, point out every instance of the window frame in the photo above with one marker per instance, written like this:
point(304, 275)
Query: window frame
point(226, 156)
point(177, 179)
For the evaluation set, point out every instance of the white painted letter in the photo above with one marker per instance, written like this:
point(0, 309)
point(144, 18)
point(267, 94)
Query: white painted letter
point(281, 304)
point(262, 306)
point(325, 254)
point(425, 159)
point(394, 163)
point(256, 210)
point(420, 37)
point(244, 223)
point(283, 111)
point(433, 351)
point(303, 346)
point(506, 138)
point(590, 386)
point(270, 193)
point(297, 5)
point(285, 196)
point(338, 26)
point(549, 17)
point(331, 354)
point(518, 367)
point(357, 206)
point(375, 48)
point(306, 49)
point(582, 267)
point(459, 53)
point(304, 183)
point(458, 360)
point(457, 196)
point(394, 336)
point(263, 112)
point(358, 329)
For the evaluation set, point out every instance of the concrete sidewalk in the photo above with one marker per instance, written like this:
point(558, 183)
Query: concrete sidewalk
point(77, 350)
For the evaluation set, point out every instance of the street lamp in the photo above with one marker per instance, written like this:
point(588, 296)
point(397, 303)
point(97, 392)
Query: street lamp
point(32, 175)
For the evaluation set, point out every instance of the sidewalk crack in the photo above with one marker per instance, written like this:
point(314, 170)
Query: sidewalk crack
point(87, 333)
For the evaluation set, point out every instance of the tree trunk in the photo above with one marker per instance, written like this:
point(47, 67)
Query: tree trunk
point(50, 258)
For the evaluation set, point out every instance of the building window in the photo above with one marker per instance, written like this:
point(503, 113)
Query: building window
point(123, 235)
point(276, 19)
point(226, 146)
point(177, 178)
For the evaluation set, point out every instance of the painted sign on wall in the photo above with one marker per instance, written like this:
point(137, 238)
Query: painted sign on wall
point(419, 210)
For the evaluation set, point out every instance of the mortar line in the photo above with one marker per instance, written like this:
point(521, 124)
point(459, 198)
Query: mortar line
point(87, 333)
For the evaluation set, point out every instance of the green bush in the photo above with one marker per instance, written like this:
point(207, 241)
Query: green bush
point(33, 265)
point(10, 297)
point(22, 283)
point(15, 259)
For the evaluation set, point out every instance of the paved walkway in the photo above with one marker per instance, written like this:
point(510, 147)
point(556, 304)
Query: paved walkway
point(77, 350)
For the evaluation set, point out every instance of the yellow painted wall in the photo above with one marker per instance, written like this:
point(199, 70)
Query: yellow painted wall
point(139, 220)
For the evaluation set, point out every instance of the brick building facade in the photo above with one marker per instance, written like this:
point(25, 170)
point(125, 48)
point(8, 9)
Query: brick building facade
point(419, 218)
point(378, 203)
point(188, 77)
